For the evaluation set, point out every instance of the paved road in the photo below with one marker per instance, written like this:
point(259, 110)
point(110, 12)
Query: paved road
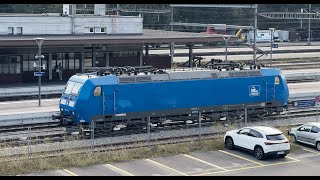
point(303, 161)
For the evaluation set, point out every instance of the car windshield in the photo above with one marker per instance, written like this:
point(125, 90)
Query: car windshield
point(73, 88)
point(276, 137)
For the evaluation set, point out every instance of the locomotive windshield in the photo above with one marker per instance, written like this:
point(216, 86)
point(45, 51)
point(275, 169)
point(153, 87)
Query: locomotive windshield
point(73, 88)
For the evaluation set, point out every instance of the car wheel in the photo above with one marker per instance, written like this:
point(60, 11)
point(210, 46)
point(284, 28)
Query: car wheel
point(294, 138)
point(258, 153)
point(229, 143)
point(318, 146)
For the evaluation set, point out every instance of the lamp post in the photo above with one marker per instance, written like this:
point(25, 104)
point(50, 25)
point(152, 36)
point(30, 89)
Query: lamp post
point(226, 39)
point(271, 32)
point(309, 33)
point(39, 56)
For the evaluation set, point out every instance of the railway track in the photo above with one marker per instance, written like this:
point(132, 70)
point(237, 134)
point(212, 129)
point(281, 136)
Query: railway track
point(22, 127)
point(113, 147)
point(83, 145)
point(17, 135)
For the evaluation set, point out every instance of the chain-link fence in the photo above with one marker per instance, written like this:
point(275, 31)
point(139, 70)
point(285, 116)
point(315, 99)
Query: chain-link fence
point(151, 131)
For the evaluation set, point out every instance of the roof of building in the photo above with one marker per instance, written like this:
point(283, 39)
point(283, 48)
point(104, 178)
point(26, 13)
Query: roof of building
point(148, 37)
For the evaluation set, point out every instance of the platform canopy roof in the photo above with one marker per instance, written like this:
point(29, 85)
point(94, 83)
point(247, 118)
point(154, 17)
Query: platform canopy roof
point(148, 37)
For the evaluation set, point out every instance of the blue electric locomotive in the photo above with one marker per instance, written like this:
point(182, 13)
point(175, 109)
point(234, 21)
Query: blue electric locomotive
point(132, 98)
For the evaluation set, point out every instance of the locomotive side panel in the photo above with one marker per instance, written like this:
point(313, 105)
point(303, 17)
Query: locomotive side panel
point(143, 97)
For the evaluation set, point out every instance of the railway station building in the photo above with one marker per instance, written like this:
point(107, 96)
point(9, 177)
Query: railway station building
point(76, 41)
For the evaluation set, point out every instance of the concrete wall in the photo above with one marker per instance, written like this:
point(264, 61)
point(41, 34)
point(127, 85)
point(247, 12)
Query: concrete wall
point(55, 25)
point(117, 25)
point(36, 25)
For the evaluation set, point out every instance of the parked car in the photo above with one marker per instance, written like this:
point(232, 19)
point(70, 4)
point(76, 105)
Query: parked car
point(307, 133)
point(263, 141)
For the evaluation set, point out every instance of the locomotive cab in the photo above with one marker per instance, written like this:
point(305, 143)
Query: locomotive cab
point(82, 93)
point(277, 90)
point(69, 99)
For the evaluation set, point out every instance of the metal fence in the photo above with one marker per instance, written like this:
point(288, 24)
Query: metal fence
point(147, 134)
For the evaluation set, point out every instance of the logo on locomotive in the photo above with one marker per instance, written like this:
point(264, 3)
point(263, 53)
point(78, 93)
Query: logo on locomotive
point(254, 90)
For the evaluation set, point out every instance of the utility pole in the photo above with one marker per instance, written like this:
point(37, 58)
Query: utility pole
point(171, 44)
point(271, 31)
point(309, 26)
point(118, 8)
point(255, 32)
point(301, 19)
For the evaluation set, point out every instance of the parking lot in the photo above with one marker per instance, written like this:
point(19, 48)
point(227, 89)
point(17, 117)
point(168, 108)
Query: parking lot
point(304, 160)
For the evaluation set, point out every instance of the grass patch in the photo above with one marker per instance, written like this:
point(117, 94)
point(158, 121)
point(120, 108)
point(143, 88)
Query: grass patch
point(80, 160)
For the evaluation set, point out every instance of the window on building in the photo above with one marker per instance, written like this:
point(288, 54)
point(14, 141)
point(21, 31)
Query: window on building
point(77, 64)
point(97, 30)
point(87, 59)
point(77, 58)
point(71, 63)
point(19, 30)
point(28, 60)
point(25, 64)
point(10, 31)
point(14, 65)
point(70, 57)
point(88, 30)
point(5, 64)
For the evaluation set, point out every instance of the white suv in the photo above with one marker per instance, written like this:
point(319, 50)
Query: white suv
point(261, 140)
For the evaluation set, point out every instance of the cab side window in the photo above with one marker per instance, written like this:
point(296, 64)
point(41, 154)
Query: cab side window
point(97, 91)
point(276, 80)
